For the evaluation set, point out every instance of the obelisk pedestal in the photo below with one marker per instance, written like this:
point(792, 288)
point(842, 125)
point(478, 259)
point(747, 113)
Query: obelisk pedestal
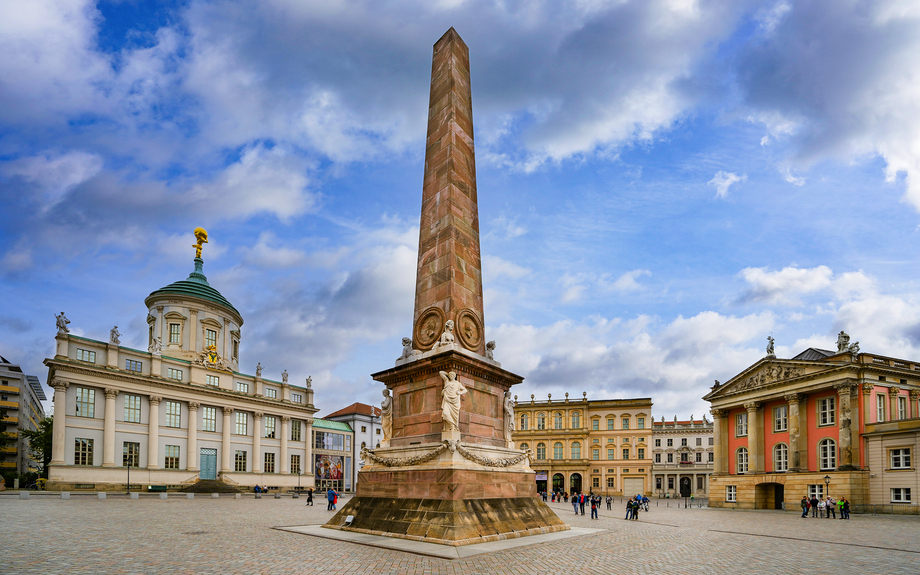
point(453, 481)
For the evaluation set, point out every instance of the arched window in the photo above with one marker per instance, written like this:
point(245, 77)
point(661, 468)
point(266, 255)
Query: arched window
point(541, 451)
point(557, 421)
point(557, 451)
point(576, 450)
point(780, 458)
point(524, 446)
point(827, 454)
point(541, 421)
point(576, 420)
point(741, 460)
point(525, 421)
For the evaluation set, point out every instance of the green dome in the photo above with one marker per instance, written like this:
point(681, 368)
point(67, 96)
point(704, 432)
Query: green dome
point(196, 286)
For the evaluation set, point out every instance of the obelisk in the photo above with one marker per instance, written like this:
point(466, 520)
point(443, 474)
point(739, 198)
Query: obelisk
point(449, 474)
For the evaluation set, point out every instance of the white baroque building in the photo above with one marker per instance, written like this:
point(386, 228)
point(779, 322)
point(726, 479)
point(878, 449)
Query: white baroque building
point(683, 452)
point(180, 412)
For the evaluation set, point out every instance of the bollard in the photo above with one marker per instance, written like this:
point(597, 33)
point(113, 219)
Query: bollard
point(65, 495)
point(295, 496)
point(258, 496)
point(238, 496)
point(215, 495)
point(163, 496)
point(134, 495)
point(100, 495)
point(277, 496)
point(190, 496)
point(23, 494)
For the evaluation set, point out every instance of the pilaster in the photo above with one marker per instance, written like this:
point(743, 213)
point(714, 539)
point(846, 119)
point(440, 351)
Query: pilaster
point(153, 432)
point(192, 450)
point(108, 430)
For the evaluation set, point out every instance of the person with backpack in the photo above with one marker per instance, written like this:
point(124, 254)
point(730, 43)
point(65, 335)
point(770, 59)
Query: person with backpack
point(595, 503)
point(581, 502)
point(629, 509)
point(805, 505)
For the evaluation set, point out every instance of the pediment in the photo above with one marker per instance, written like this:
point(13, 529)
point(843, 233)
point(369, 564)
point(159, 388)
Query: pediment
point(762, 374)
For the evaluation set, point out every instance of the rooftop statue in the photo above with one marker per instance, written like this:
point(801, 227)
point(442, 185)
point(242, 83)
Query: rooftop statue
point(490, 350)
point(62, 323)
point(114, 336)
point(201, 235)
point(770, 343)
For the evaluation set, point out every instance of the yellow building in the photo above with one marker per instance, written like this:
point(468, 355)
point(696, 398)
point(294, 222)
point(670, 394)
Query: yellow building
point(599, 446)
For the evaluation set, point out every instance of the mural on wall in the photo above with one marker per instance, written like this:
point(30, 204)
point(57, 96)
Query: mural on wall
point(329, 467)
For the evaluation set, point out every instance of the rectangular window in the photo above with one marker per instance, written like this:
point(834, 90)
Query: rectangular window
point(640, 453)
point(670, 458)
point(242, 423)
point(816, 491)
point(640, 423)
point(239, 461)
point(174, 373)
point(269, 463)
point(210, 338)
point(670, 443)
point(296, 398)
point(295, 431)
point(657, 458)
point(595, 424)
point(172, 457)
point(209, 419)
point(741, 424)
point(880, 401)
point(699, 441)
point(699, 457)
point(699, 482)
point(900, 458)
point(130, 454)
point(711, 457)
point(902, 407)
point(132, 365)
point(132, 408)
point(625, 423)
point(626, 453)
point(236, 349)
point(347, 443)
point(611, 453)
point(595, 454)
point(596, 481)
point(175, 335)
point(610, 483)
point(269, 427)
point(780, 418)
point(625, 440)
point(711, 442)
point(657, 443)
point(173, 414)
point(683, 442)
point(269, 392)
point(86, 355)
point(331, 441)
point(900, 494)
point(242, 387)
point(731, 493)
point(213, 380)
point(684, 457)
point(86, 402)
point(609, 425)
point(363, 429)
point(827, 411)
point(295, 464)
point(83, 452)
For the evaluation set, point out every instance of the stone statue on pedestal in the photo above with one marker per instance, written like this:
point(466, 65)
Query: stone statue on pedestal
point(490, 350)
point(407, 348)
point(284, 376)
point(114, 335)
point(156, 346)
point(259, 369)
point(386, 417)
point(309, 382)
point(450, 404)
point(447, 338)
point(62, 323)
point(509, 419)
point(770, 341)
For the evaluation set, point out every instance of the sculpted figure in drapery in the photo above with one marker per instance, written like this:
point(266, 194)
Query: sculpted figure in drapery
point(450, 404)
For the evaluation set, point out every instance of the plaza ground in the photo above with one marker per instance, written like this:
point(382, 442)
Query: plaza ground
point(203, 536)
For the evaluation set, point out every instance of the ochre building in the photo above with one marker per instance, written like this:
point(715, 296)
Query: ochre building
point(842, 423)
point(599, 445)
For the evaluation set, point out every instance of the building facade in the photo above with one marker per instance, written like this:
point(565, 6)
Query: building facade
point(824, 422)
point(683, 457)
point(21, 395)
point(333, 459)
point(600, 446)
point(364, 421)
point(179, 412)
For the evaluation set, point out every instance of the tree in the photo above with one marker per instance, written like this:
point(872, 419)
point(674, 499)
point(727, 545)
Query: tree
point(40, 442)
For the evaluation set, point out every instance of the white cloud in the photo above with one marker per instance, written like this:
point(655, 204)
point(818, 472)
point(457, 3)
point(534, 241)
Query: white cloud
point(786, 286)
point(494, 267)
point(724, 180)
point(627, 281)
point(54, 175)
point(791, 178)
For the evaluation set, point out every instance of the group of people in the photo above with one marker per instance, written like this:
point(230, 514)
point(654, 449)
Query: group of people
point(592, 501)
point(580, 500)
point(634, 505)
point(826, 508)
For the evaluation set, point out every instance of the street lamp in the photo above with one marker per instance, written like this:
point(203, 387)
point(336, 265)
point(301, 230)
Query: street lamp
point(298, 480)
point(827, 484)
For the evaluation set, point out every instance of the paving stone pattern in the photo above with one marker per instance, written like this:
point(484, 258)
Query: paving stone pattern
point(203, 536)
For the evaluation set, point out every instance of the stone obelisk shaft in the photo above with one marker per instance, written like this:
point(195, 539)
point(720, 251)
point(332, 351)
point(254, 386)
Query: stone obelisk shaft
point(449, 277)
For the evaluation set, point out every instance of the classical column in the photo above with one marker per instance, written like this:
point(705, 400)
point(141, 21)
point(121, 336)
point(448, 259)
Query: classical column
point(308, 464)
point(158, 330)
point(867, 402)
point(914, 403)
point(108, 433)
point(844, 431)
point(192, 449)
point(153, 432)
point(60, 422)
point(257, 442)
point(193, 329)
point(225, 441)
point(755, 437)
point(285, 425)
point(719, 466)
point(893, 403)
point(795, 464)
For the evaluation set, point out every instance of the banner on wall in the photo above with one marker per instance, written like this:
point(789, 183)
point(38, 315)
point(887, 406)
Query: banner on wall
point(329, 467)
point(541, 476)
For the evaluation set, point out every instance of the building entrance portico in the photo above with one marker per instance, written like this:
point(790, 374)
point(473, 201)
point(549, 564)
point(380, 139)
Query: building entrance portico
point(208, 465)
point(575, 483)
point(685, 487)
point(769, 496)
point(558, 482)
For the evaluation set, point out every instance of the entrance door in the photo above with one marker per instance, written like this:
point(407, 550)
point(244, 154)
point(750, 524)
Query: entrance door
point(575, 483)
point(558, 483)
point(685, 487)
point(208, 465)
point(633, 486)
point(778, 496)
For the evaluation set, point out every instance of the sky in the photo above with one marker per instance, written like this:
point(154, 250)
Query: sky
point(662, 183)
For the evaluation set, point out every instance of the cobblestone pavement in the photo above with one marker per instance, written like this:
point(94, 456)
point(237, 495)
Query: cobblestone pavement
point(202, 536)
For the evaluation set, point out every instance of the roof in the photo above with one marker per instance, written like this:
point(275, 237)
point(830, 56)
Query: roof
point(326, 424)
point(813, 353)
point(36, 387)
point(357, 409)
point(196, 286)
point(687, 422)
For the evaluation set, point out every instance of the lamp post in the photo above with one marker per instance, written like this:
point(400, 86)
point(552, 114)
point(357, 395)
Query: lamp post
point(128, 485)
point(298, 480)
point(827, 484)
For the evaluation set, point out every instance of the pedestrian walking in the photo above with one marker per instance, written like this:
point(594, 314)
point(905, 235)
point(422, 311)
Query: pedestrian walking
point(310, 496)
point(575, 502)
point(330, 497)
point(595, 503)
point(581, 502)
point(805, 505)
point(629, 509)
point(845, 510)
point(609, 503)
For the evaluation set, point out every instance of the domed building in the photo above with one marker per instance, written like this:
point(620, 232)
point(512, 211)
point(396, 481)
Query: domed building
point(179, 413)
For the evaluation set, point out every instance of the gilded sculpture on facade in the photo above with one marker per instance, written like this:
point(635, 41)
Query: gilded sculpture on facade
point(201, 235)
